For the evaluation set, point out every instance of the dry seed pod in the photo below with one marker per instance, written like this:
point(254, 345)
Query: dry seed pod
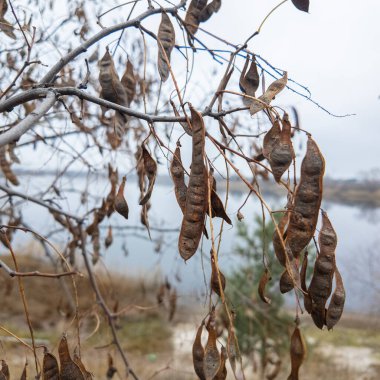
point(306, 296)
point(69, 369)
point(178, 175)
point(4, 370)
point(192, 15)
point(231, 348)
point(307, 200)
point(273, 90)
point(198, 354)
point(222, 373)
point(184, 124)
point(129, 82)
point(121, 205)
point(197, 192)
point(249, 80)
point(172, 304)
point(79, 363)
point(50, 369)
point(166, 42)
point(109, 239)
point(150, 170)
point(209, 10)
point(212, 360)
point(282, 154)
point(265, 278)
point(302, 5)
point(24, 375)
point(215, 279)
point(322, 281)
point(217, 206)
point(6, 167)
point(297, 353)
point(335, 309)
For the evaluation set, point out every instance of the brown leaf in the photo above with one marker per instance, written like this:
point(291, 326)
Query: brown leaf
point(121, 205)
point(297, 353)
point(166, 42)
point(192, 15)
point(129, 82)
point(198, 354)
point(265, 278)
point(335, 309)
point(302, 5)
point(69, 369)
point(150, 170)
point(249, 80)
point(50, 369)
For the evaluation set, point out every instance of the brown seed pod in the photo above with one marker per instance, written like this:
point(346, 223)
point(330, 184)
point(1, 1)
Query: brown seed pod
point(150, 171)
point(50, 369)
point(69, 369)
point(166, 42)
point(297, 353)
point(302, 5)
point(322, 281)
point(277, 246)
point(282, 154)
point(222, 373)
point(335, 309)
point(192, 15)
point(121, 205)
point(6, 167)
point(178, 175)
point(265, 278)
point(198, 354)
point(215, 279)
point(249, 80)
point(306, 296)
point(273, 90)
point(24, 374)
point(209, 10)
point(217, 206)
point(4, 370)
point(307, 200)
point(197, 192)
point(212, 360)
point(271, 139)
point(78, 361)
point(129, 82)
point(109, 239)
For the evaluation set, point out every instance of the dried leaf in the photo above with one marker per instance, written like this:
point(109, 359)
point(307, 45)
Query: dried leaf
point(6, 167)
point(335, 309)
point(166, 42)
point(265, 278)
point(297, 353)
point(121, 205)
point(4, 368)
point(178, 175)
point(50, 369)
point(150, 170)
point(222, 373)
point(69, 369)
point(198, 354)
point(302, 5)
point(129, 82)
point(197, 192)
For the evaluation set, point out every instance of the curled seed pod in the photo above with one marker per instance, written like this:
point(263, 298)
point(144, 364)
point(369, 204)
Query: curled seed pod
point(50, 369)
point(69, 369)
point(322, 281)
point(4, 370)
point(197, 192)
point(172, 304)
point(209, 10)
point(166, 42)
point(231, 348)
point(290, 277)
point(150, 170)
point(215, 278)
point(212, 360)
point(222, 373)
point(281, 157)
point(129, 82)
point(193, 13)
point(6, 167)
point(306, 297)
point(307, 200)
point(271, 139)
point(302, 5)
point(249, 80)
point(121, 205)
point(265, 278)
point(335, 309)
point(24, 374)
point(286, 283)
point(178, 175)
point(273, 90)
point(109, 239)
point(217, 207)
point(297, 353)
point(198, 354)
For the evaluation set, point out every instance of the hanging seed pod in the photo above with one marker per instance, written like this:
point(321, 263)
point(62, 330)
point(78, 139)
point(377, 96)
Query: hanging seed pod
point(6, 167)
point(69, 369)
point(4, 370)
point(302, 5)
point(166, 42)
point(109, 239)
point(271, 139)
point(172, 304)
point(121, 205)
point(212, 360)
point(222, 373)
point(193, 13)
point(24, 374)
point(95, 245)
point(215, 278)
point(209, 10)
point(129, 82)
point(249, 80)
point(322, 281)
point(297, 353)
point(306, 296)
point(197, 192)
point(178, 175)
point(335, 309)
point(307, 200)
point(217, 207)
point(198, 354)
point(265, 278)
point(150, 170)
point(273, 90)
point(78, 361)
point(50, 369)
